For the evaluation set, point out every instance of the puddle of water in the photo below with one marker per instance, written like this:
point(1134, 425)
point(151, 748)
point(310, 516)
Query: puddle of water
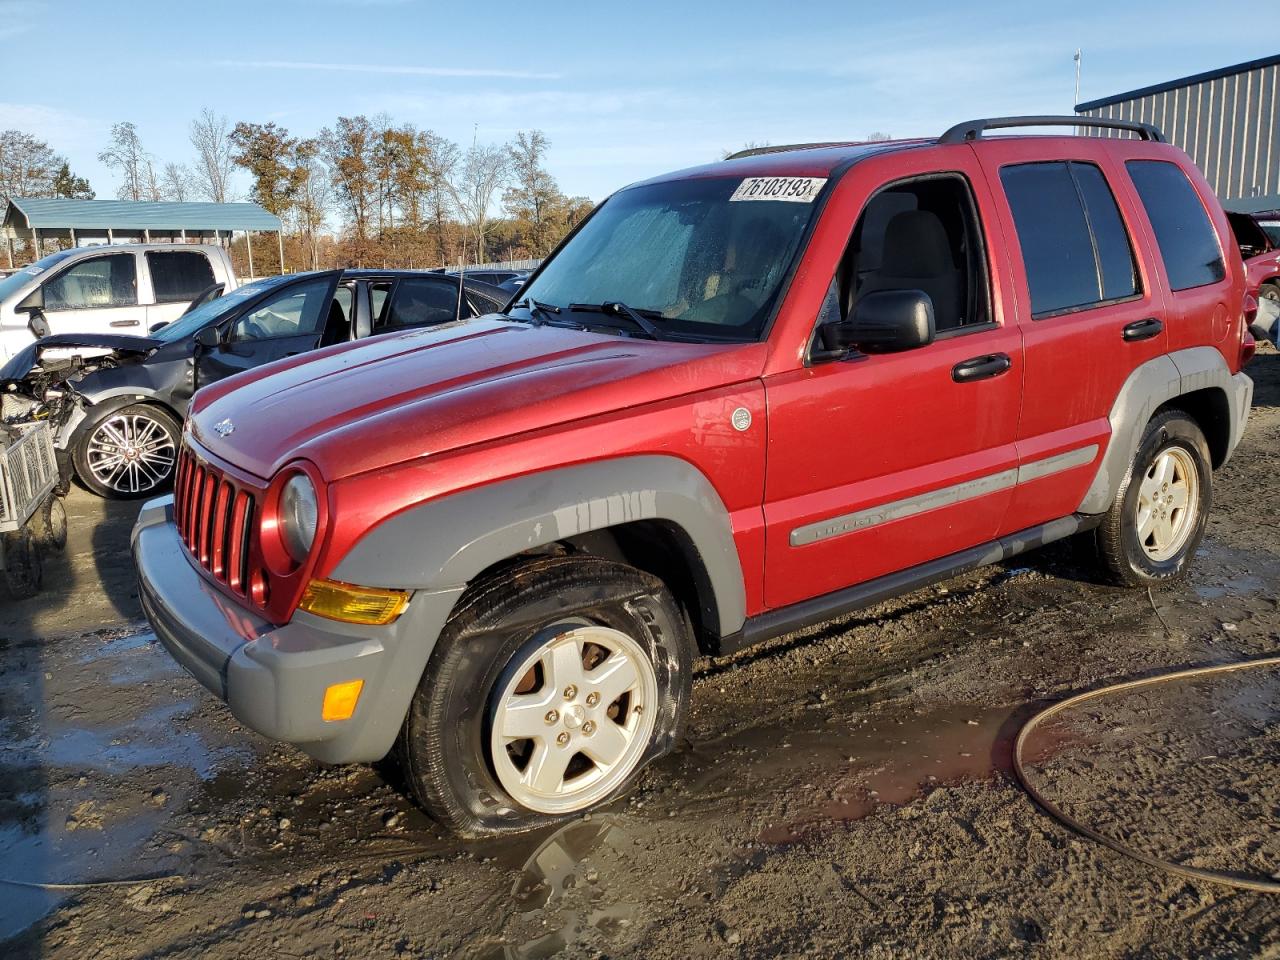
point(1223, 571)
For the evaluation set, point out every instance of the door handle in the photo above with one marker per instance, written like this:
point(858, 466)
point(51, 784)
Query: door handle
point(126, 323)
point(1141, 330)
point(981, 368)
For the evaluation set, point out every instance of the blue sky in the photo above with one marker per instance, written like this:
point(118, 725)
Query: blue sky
point(622, 91)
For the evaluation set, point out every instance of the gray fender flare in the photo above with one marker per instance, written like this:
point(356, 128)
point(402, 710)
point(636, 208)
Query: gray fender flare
point(1152, 384)
point(443, 544)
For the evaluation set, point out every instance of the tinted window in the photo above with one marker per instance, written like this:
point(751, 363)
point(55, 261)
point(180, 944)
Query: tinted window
point(1188, 243)
point(421, 301)
point(293, 312)
point(1074, 245)
point(110, 281)
point(1115, 256)
point(177, 277)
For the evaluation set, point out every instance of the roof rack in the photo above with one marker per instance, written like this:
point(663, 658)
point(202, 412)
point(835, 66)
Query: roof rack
point(783, 148)
point(973, 129)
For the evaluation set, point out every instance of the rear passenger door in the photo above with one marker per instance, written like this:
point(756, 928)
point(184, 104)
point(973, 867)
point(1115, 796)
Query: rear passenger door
point(1089, 301)
point(421, 302)
point(176, 277)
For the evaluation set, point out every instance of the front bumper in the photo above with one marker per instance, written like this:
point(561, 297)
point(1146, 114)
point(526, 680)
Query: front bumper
point(274, 677)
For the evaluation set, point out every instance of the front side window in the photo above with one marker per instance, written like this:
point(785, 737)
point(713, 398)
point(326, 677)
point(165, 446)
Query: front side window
point(294, 312)
point(1075, 248)
point(919, 235)
point(700, 258)
point(1185, 235)
point(1272, 229)
point(179, 276)
point(110, 281)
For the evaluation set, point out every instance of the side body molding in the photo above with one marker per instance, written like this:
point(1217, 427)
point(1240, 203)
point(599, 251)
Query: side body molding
point(441, 545)
point(1149, 386)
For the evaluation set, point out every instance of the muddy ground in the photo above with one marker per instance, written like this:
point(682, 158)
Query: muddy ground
point(847, 792)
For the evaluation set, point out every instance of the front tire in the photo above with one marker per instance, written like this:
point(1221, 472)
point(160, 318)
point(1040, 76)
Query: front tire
point(128, 453)
point(1157, 521)
point(552, 685)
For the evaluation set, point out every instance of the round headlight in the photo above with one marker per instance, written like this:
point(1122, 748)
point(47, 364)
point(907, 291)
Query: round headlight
point(298, 516)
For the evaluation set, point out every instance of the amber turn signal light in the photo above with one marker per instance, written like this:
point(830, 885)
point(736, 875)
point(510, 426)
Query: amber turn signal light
point(340, 700)
point(351, 604)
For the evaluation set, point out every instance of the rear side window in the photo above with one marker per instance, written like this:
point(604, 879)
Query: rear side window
point(420, 302)
point(1188, 243)
point(177, 277)
point(1074, 244)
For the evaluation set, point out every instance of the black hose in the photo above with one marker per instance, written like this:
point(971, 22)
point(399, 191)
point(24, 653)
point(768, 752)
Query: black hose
point(1241, 881)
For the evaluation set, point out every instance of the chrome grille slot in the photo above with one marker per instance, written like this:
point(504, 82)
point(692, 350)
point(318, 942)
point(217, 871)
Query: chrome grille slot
point(214, 516)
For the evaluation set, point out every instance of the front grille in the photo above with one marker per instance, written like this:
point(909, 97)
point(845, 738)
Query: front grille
point(215, 518)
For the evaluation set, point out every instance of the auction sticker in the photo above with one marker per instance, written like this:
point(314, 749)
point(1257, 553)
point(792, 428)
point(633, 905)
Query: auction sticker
point(790, 189)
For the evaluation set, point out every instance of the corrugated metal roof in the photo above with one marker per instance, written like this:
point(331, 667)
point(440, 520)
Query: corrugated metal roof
point(138, 215)
point(1205, 77)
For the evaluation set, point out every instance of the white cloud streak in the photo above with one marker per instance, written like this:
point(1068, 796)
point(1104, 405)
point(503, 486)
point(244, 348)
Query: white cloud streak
point(385, 69)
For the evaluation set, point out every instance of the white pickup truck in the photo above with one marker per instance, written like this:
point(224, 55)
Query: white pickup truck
point(125, 288)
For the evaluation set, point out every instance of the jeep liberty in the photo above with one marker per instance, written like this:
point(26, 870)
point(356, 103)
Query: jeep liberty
point(736, 401)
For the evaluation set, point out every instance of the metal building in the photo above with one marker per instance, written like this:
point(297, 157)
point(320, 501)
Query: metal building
point(1228, 120)
point(77, 222)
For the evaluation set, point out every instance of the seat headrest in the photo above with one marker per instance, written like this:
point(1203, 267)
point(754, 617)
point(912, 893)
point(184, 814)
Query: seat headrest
point(916, 245)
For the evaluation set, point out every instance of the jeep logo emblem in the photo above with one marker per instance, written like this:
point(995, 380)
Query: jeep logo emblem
point(224, 428)
point(741, 419)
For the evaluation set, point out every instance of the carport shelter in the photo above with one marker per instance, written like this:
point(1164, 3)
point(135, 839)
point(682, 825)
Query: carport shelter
point(110, 221)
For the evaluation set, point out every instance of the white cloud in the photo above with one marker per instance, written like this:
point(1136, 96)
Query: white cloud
point(386, 69)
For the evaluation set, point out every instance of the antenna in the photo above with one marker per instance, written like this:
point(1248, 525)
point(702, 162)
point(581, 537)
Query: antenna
point(1077, 59)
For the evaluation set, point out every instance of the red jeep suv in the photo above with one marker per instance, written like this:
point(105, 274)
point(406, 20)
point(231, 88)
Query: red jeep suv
point(738, 400)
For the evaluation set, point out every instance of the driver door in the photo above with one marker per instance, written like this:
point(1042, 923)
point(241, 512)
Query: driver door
point(292, 320)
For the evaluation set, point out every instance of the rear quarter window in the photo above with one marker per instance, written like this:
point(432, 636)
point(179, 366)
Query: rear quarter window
point(1184, 233)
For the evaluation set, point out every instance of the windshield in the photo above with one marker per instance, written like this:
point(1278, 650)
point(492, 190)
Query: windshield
point(210, 310)
point(708, 261)
point(16, 281)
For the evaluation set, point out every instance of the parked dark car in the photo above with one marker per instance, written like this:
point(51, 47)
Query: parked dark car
point(117, 402)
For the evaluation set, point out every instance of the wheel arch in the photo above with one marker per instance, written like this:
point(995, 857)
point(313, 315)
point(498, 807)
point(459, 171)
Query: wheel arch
point(1198, 382)
point(658, 513)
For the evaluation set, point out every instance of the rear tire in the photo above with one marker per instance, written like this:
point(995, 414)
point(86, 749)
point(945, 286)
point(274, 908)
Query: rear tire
point(521, 720)
point(1157, 521)
point(128, 453)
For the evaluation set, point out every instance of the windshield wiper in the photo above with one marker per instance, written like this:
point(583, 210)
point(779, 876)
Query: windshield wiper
point(618, 309)
point(537, 310)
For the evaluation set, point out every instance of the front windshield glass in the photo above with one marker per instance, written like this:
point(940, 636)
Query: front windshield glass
point(707, 261)
point(16, 281)
point(187, 325)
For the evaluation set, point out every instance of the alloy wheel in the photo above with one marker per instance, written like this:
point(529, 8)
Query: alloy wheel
point(131, 453)
point(1168, 503)
point(573, 720)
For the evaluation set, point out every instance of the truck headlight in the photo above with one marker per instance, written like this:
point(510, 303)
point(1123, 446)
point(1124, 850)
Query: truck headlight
point(299, 516)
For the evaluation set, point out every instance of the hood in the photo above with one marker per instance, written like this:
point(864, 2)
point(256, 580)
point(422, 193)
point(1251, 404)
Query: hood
point(400, 397)
point(22, 362)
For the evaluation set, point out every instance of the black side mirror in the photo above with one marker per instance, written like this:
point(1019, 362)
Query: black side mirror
point(886, 321)
point(207, 338)
point(37, 324)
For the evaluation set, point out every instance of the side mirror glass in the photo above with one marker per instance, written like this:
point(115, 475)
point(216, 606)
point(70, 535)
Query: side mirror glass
point(208, 337)
point(886, 321)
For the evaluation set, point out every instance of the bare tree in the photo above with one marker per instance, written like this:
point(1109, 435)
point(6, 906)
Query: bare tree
point(483, 172)
point(28, 166)
point(312, 197)
point(127, 155)
point(211, 137)
point(175, 182)
point(534, 198)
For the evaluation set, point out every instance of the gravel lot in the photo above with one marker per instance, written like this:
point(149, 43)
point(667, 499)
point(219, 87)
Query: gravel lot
point(845, 792)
